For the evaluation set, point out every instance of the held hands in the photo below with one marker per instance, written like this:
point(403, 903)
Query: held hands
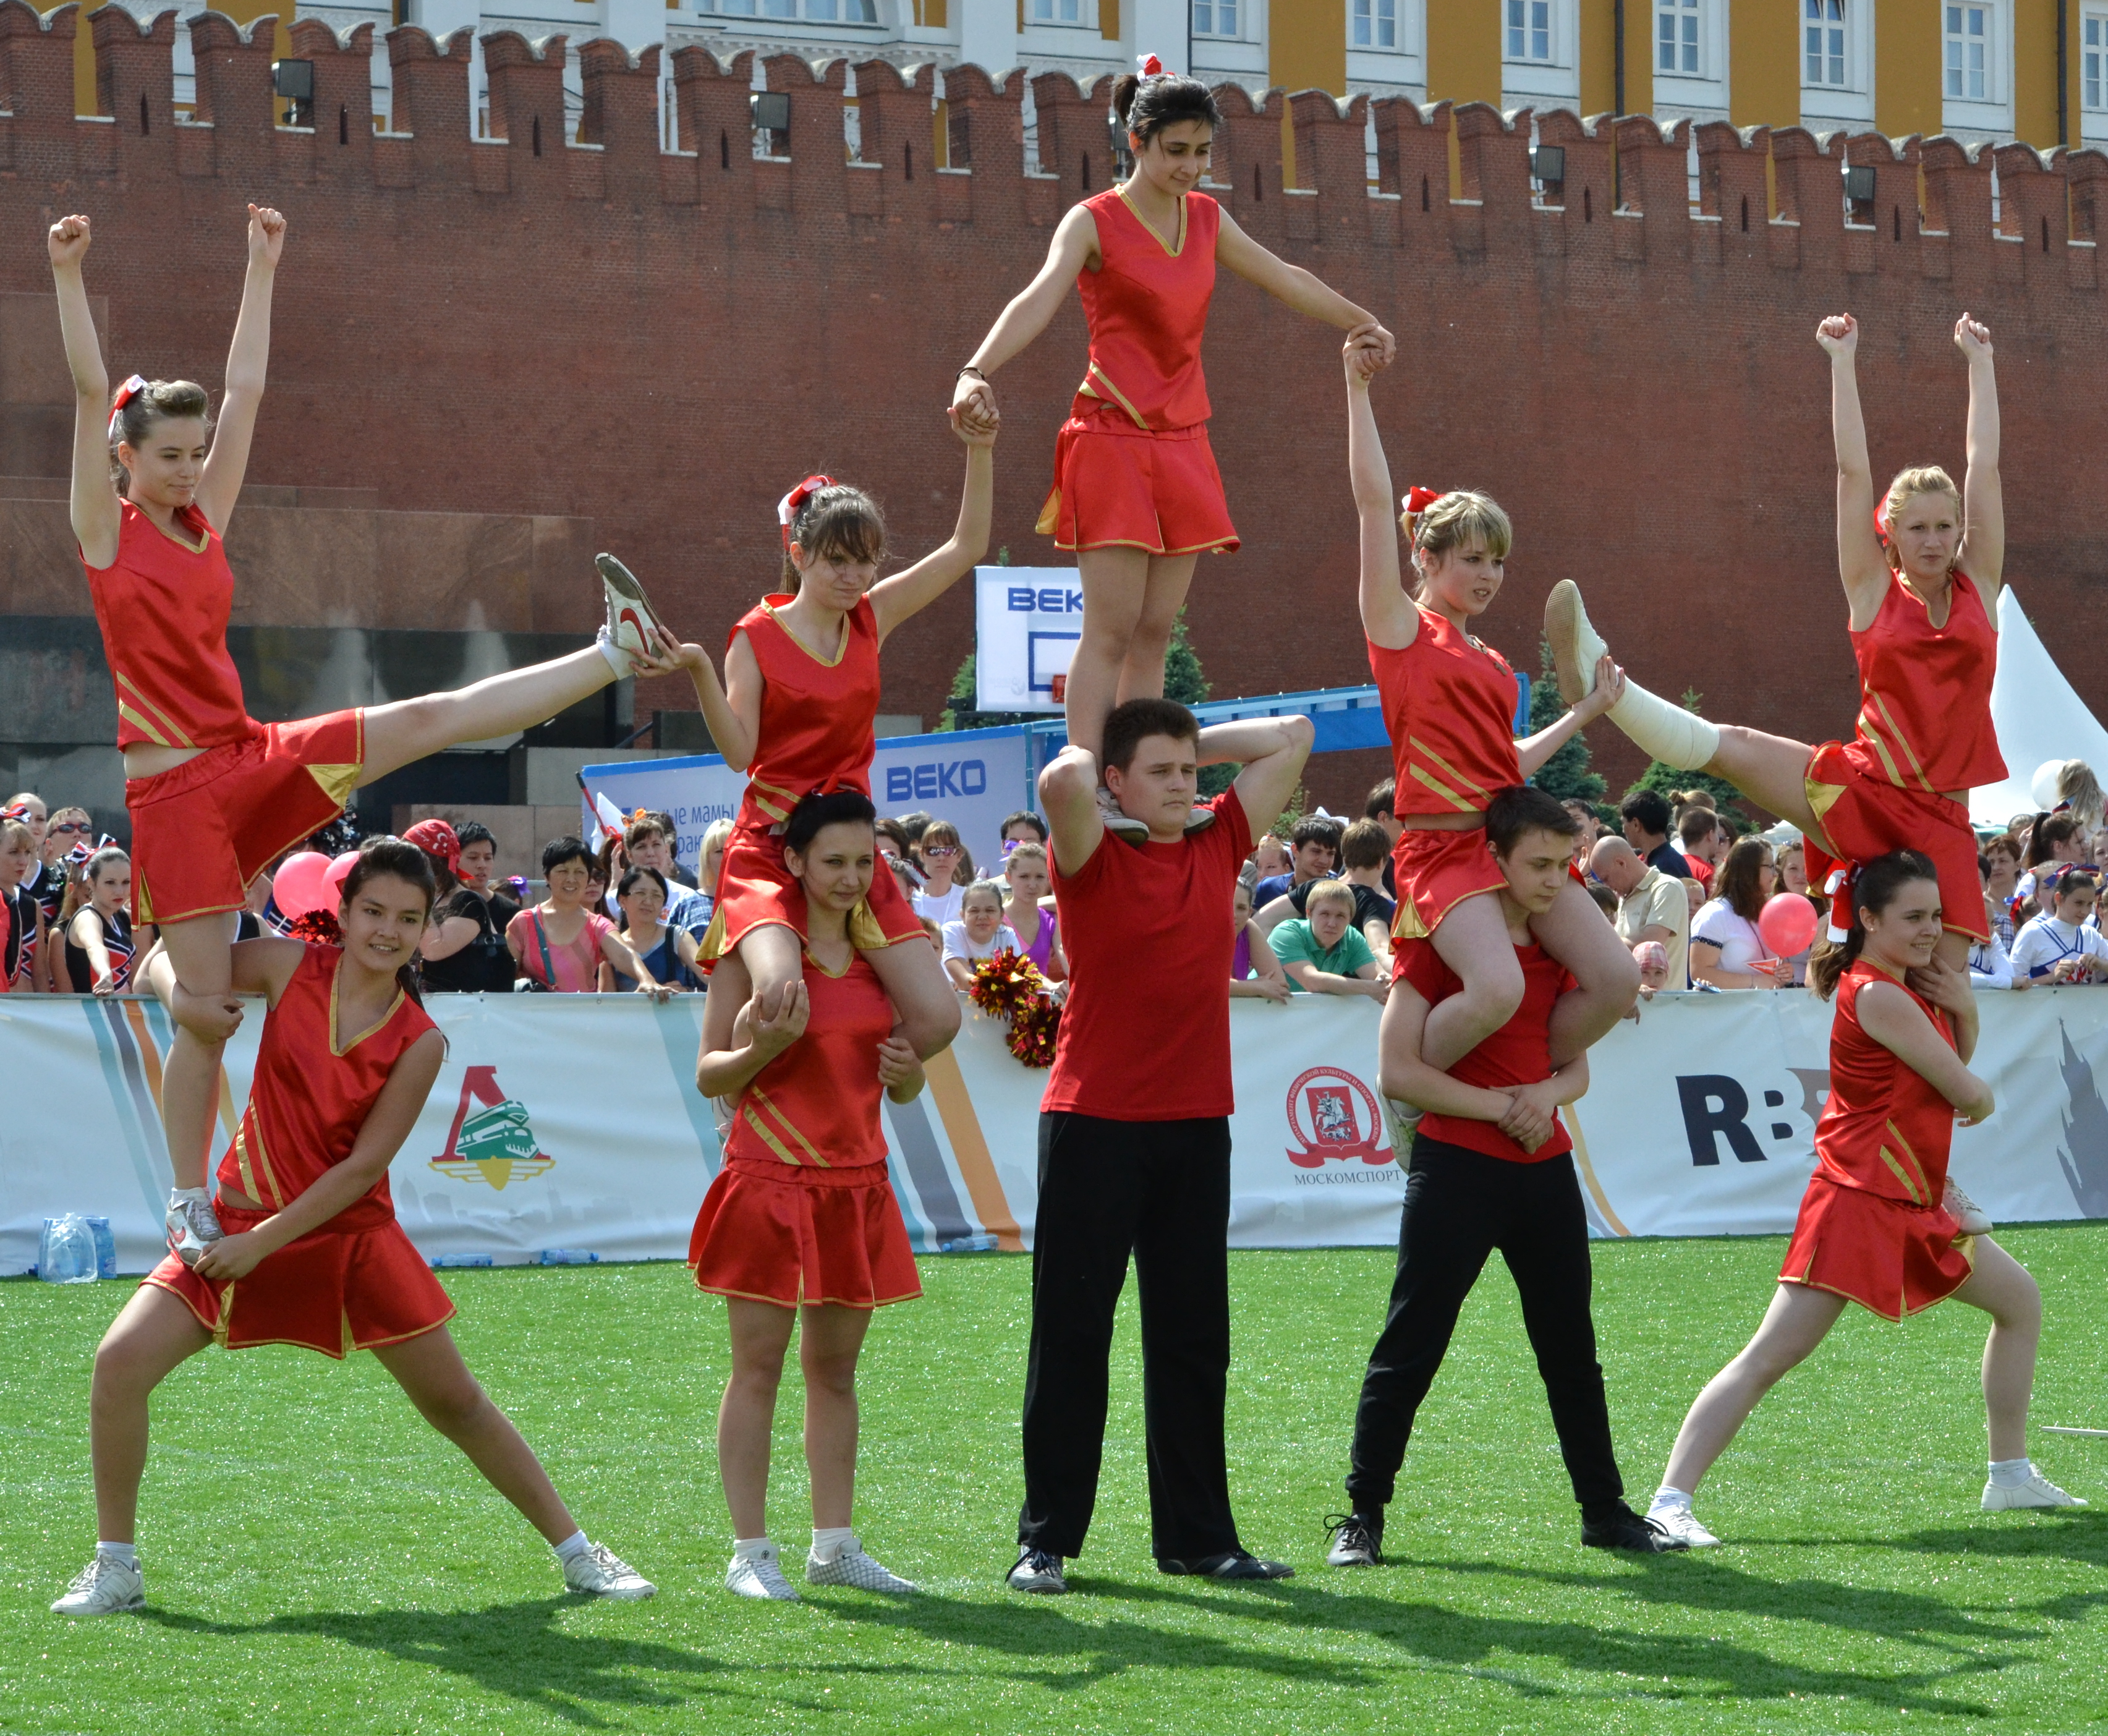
point(1532, 1114)
point(1609, 689)
point(974, 429)
point(899, 1069)
point(1972, 337)
point(1839, 335)
point(231, 1257)
point(69, 241)
point(267, 235)
point(973, 406)
point(1363, 355)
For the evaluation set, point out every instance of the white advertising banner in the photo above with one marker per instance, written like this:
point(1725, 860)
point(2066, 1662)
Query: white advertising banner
point(1027, 620)
point(569, 1125)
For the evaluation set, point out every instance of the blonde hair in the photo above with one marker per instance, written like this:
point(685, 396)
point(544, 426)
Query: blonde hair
point(2079, 790)
point(1026, 853)
point(1920, 479)
point(715, 835)
point(1328, 892)
point(1459, 517)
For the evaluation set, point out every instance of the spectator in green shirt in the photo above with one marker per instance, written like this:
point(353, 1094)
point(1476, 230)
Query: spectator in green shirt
point(1323, 953)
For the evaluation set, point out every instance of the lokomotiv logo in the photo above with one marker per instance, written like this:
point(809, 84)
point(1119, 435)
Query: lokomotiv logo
point(1333, 1117)
point(493, 1143)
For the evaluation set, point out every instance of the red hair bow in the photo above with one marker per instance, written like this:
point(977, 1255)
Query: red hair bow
point(786, 508)
point(436, 838)
point(1881, 522)
point(126, 393)
point(1418, 500)
point(1151, 67)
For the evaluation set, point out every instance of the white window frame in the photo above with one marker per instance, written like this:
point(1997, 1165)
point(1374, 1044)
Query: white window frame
point(1835, 34)
point(1991, 114)
point(2093, 19)
point(1553, 56)
point(1401, 24)
point(1957, 39)
point(801, 12)
point(1086, 18)
point(1681, 12)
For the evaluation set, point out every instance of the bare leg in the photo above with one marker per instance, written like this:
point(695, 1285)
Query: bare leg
point(431, 1370)
point(828, 1346)
point(760, 1334)
point(1164, 594)
point(2001, 1285)
point(1771, 770)
point(1606, 979)
point(774, 959)
point(1115, 581)
point(1798, 1319)
point(410, 729)
point(922, 994)
point(152, 1333)
point(1473, 941)
point(198, 990)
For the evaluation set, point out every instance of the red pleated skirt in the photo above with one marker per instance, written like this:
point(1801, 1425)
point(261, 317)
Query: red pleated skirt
point(1435, 871)
point(1121, 487)
point(757, 888)
point(798, 1233)
point(1888, 1256)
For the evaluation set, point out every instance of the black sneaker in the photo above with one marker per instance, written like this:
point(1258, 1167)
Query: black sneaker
point(1233, 1564)
point(1037, 1571)
point(1626, 1530)
point(1356, 1540)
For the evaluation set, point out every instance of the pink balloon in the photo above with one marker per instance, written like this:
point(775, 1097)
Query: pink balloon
point(297, 887)
point(1786, 924)
point(333, 879)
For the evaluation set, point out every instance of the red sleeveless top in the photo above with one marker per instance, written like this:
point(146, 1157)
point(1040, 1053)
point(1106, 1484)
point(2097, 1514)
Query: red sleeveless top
point(1449, 704)
point(1925, 691)
point(1884, 1129)
point(1146, 307)
point(313, 1088)
point(162, 609)
point(816, 1103)
point(817, 719)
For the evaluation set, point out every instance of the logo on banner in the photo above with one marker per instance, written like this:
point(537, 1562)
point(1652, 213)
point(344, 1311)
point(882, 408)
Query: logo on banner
point(492, 1142)
point(1333, 1117)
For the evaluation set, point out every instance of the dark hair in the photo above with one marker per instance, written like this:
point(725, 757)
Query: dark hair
point(1606, 900)
point(1741, 881)
point(637, 829)
point(1024, 817)
point(159, 400)
point(1983, 866)
point(2003, 843)
point(400, 859)
point(1147, 106)
point(1315, 828)
point(894, 830)
point(1128, 725)
point(602, 862)
point(630, 880)
point(557, 851)
point(829, 808)
point(836, 520)
point(1383, 800)
point(1521, 808)
point(1364, 845)
point(2066, 883)
point(1697, 825)
point(912, 826)
point(1649, 807)
point(1875, 889)
point(474, 832)
point(2049, 830)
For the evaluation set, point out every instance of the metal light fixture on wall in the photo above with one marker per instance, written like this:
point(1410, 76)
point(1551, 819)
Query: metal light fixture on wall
point(1547, 168)
point(770, 112)
point(1860, 193)
point(294, 80)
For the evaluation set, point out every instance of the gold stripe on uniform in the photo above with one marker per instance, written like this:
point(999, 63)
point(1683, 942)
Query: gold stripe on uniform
point(1902, 740)
point(774, 1145)
point(1889, 1159)
point(787, 1125)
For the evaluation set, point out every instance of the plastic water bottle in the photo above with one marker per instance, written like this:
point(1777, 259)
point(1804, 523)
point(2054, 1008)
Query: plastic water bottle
point(441, 1262)
point(105, 1248)
point(983, 1243)
point(67, 1253)
point(568, 1256)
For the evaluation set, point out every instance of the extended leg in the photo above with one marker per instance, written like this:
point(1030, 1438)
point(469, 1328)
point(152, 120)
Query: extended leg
point(1606, 979)
point(1798, 1319)
point(760, 1334)
point(1116, 583)
point(153, 1333)
point(2001, 1285)
point(1473, 941)
point(1164, 594)
point(922, 994)
point(519, 699)
point(829, 1343)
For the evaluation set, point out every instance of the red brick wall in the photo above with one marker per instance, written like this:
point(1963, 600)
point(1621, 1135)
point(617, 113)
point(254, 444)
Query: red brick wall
point(663, 343)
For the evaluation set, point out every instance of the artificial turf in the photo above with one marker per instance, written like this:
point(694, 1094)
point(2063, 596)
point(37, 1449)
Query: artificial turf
point(318, 1560)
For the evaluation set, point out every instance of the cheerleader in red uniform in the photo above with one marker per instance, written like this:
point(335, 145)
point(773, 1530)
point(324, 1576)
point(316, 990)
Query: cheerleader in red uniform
point(215, 796)
point(797, 712)
point(314, 1255)
point(1871, 1228)
point(800, 1224)
point(1136, 492)
point(1449, 704)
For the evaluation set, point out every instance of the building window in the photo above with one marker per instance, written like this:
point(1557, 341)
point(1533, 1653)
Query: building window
point(1969, 54)
point(1824, 39)
point(1529, 29)
point(813, 12)
point(1217, 18)
point(1376, 23)
point(2093, 62)
point(1676, 37)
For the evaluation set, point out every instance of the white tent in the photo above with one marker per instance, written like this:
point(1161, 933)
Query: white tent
point(2036, 715)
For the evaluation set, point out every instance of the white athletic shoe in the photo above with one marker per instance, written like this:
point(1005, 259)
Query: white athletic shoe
point(1404, 1121)
point(1682, 1525)
point(632, 622)
point(105, 1587)
point(192, 1225)
point(1966, 1212)
point(2037, 1491)
point(760, 1575)
point(852, 1567)
point(1575, 645)
point(1118, 821)
point(1199, 820)
point(599, 1572)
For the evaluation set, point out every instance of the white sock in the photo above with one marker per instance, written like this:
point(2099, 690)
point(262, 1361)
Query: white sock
point(119, 1552)
point(1667, 731)
point(2011, 1473)
point(1666, 1497)
point(617, 659)
point(183, 1195)
point(572, 1547)
point(830, 1540)
point(747, 1548)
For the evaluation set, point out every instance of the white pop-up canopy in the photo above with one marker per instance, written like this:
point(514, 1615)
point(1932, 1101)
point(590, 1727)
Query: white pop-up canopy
point(2036, 715)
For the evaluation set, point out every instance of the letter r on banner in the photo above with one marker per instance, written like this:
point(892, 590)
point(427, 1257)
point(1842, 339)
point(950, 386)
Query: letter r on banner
point(1699, 1092)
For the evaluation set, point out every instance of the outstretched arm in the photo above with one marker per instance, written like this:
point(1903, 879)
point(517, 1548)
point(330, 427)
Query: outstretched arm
point(1074, 246)
point(916, 587)
point(247, 360)
point(731, 710)
point(1982, 553)
point(1861, 563)
point(95, 519)
point(1272, 750)
point(1301, 290)
point(1388, 616)
point(1535, 750)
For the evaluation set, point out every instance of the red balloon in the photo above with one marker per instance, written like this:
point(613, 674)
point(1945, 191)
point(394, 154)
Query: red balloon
point(1787, 924)
point(297, 887)
point(333, 879)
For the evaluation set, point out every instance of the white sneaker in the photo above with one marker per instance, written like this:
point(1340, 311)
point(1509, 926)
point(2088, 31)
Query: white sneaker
point(1575, 645)
point(852, 1567)
point(2037, 1491)
point(1118, 821)
point(192, 1224)
point(599, 1572)
point(1199, 820)
point(1404, 1121)
point(632, 622)
point(1682, 1525)
point(1965, 1211)
point(104, 1587)
point(760, 1575)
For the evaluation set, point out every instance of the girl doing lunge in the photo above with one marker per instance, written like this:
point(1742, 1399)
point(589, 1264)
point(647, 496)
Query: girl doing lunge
point(215, 796)
point(800, 1227)
point(314, 1255)
point(1871, 1228)
point(1449, 703)
point(1135, 493)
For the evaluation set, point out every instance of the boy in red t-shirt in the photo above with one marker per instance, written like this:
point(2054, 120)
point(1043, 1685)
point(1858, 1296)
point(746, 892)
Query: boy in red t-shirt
point(1134, 1131)
point(1490, 1168)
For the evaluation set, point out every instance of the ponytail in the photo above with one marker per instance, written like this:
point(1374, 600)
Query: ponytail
point(1149, 103)
point(1874, 887)
point(403, 861)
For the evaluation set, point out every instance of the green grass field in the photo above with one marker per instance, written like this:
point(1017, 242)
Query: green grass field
point(318, 1561)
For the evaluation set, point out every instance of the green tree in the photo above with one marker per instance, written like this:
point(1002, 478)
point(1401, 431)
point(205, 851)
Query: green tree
point(1665, 778)
point(1565, 774)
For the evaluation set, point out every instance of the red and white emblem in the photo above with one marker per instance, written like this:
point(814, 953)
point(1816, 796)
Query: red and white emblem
point(1333, 1116)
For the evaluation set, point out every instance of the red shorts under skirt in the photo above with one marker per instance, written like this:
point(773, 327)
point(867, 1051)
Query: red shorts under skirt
point(1134, 488)
point(203, 830)
point(1863, 816)
point(1436, 871)
point(757, 888)
point(1888, 1256)
point(337, 1290)
point(791, 1233)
